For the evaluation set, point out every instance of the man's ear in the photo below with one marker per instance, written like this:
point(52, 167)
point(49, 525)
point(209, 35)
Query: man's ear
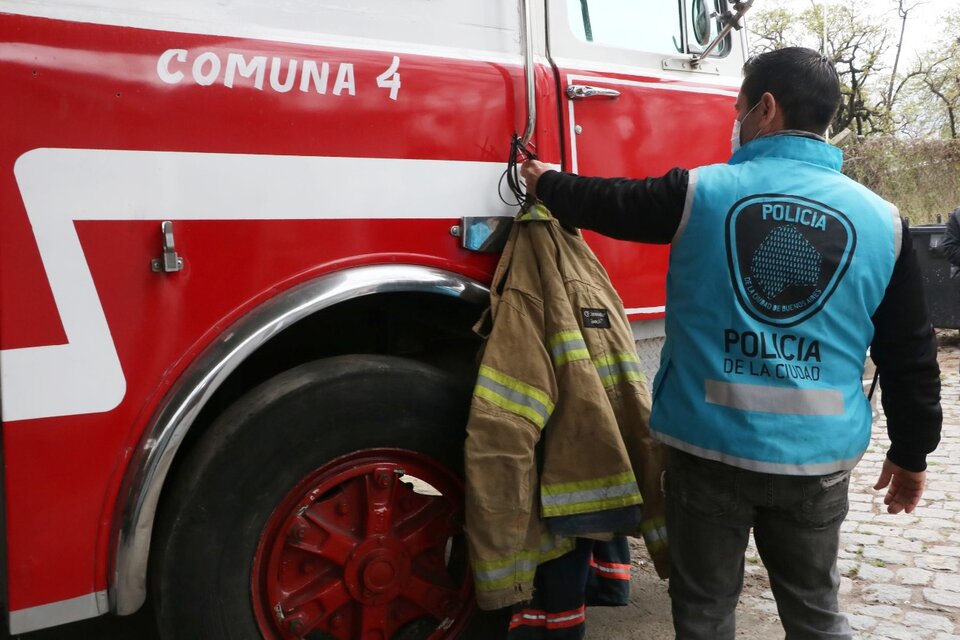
point(771, 115)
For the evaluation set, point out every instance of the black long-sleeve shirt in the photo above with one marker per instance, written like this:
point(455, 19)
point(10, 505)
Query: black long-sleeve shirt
point(951, 239)
point(904, 346)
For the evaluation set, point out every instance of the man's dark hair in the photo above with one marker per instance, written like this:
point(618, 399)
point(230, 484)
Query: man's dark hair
point(804, 82)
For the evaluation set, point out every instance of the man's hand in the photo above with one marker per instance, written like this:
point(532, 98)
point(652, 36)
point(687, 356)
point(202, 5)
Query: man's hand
point(905, 487)
point(531, 170)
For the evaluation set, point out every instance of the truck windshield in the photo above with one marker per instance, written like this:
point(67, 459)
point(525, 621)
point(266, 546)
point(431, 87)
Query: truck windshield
point(649, 25)
point(646, 25)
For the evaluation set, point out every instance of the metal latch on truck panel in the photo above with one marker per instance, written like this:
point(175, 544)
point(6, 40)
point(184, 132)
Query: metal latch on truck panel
point(686, 64)
point(486, 234)
point(583, 91)
point(169, 262)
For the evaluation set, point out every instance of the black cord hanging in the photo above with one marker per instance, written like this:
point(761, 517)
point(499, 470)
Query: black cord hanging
point(873, 384)
point(519, 153)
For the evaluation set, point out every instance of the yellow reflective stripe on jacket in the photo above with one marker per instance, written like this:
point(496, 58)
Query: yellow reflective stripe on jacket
point(568, 346)
point(598, 494)
point(536, 212)
point(552, 547)
point(500, 574)
point(654, 533)
point(490, 575)
point(513, 395)
point(619, 367)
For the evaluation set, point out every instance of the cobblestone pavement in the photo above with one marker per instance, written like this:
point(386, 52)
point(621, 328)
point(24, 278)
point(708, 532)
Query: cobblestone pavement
point(900, 573)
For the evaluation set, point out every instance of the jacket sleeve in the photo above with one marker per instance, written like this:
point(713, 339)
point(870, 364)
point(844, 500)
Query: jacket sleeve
point(647, 210)
point(514, 397)
point(904, 349)
point(951, 239)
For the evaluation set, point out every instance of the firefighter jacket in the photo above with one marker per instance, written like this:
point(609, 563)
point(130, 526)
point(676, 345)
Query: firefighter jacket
point(558, 443)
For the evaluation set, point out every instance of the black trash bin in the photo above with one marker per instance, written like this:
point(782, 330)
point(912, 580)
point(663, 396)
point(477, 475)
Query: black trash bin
point(942, 291)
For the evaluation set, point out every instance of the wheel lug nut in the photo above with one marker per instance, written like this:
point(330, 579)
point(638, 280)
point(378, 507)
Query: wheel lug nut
point(295, 625)
point(342, 508)
point(383, 479)
point(450, 606)
point(336, 621)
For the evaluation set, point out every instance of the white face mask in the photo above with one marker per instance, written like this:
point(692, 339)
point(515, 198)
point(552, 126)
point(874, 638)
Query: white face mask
point(735, 137)
point(737, 123)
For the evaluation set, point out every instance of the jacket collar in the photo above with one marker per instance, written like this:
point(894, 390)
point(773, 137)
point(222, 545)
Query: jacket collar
point(789, 146)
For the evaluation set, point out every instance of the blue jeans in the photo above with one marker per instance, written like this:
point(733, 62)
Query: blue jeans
point(711, 508)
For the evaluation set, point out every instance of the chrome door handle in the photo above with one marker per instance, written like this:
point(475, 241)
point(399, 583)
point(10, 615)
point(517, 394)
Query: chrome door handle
point(582, 91)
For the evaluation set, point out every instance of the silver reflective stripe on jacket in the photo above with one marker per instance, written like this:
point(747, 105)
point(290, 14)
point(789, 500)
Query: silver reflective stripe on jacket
point(619, 367)
point(755, 397)
point(513, 395)
point(897, 233)
point(687, 206)
point(587, 497)
point(568, 346)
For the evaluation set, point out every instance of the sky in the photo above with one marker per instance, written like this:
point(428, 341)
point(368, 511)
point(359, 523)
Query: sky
point(654, 22)
point(922, 23)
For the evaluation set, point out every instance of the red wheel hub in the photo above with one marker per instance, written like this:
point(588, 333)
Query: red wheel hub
point(368, 546)
point(376, 570)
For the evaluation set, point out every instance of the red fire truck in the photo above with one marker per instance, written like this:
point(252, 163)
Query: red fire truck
point(239, 269)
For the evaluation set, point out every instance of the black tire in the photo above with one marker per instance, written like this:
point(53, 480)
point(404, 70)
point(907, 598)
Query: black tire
point(214, 516)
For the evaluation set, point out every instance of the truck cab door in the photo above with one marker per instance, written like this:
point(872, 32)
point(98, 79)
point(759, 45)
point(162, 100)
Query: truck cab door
point(633, 105)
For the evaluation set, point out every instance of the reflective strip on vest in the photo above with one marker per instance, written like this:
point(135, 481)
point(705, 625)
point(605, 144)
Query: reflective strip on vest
point(568, 346)
point(619, 367)
point(755, 397)
point(897, 233)
point(514, 396)
point(586, 496)
point(654, 533)
point(491, 575)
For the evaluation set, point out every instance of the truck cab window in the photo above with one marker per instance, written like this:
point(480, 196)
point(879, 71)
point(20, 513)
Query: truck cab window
point(703, 25)
point(644, 25)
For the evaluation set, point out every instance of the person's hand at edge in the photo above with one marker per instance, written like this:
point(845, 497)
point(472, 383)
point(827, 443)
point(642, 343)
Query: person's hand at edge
point(904, 488)
point(531, 170)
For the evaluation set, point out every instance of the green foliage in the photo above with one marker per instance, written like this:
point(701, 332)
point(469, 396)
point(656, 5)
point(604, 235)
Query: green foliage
point(905, 124)
point(921, 177)
point(852, 35)
point(937, 74)
point(919, 98)
point(772, 29)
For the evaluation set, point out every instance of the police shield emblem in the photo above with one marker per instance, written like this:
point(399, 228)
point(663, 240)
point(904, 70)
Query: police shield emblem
point(786, 256)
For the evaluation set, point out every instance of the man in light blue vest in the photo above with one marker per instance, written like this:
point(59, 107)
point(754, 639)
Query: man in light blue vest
point(759, 392)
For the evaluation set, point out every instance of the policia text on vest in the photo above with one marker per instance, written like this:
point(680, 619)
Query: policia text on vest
point(776, 355)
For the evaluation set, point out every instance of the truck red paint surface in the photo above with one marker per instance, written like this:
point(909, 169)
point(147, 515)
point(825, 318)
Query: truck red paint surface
point(312, 161)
